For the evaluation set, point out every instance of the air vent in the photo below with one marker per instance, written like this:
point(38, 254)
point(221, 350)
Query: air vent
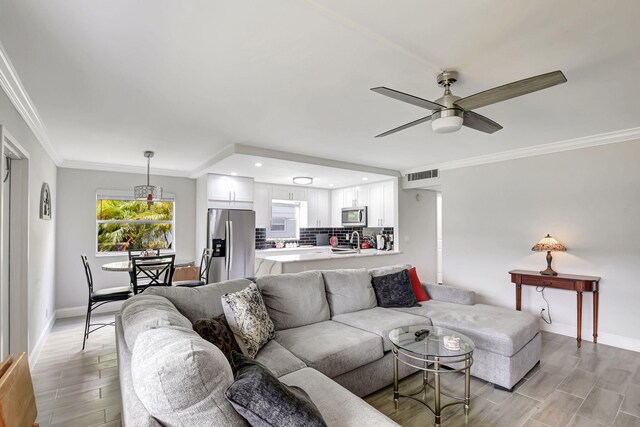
point(416, 176)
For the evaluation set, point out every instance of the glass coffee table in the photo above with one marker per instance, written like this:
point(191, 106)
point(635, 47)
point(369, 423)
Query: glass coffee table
point(423, 347)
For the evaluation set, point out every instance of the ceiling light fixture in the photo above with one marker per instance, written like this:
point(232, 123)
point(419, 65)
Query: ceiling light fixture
point(365, 179)
point(148, 192)
point(447, 120)
point(257, 164)
point(234, 173)
point(330, 185)
point(302, 180)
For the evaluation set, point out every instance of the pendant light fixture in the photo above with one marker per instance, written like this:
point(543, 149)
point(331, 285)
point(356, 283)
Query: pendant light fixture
point(148, 192)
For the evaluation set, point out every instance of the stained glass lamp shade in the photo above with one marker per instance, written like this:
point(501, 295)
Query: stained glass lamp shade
point(548, 244)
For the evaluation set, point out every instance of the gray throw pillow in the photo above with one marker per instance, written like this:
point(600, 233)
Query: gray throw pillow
point(248, 319)
point(264, 401)
point(394, 290)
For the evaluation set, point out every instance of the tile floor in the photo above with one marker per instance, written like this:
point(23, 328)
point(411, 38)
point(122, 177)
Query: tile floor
point(594, 386)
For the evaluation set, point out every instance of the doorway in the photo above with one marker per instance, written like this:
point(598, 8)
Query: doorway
point(14, 238)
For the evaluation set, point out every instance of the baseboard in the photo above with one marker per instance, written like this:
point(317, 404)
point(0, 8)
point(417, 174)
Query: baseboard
point(112, 307)
point(34, 355)
point(613, 340)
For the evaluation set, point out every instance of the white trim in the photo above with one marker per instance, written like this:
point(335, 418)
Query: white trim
point(619, 341)
point(109, 167)
point(112, 307)
point(536, 150)
point(34, 355)
point(12, 86)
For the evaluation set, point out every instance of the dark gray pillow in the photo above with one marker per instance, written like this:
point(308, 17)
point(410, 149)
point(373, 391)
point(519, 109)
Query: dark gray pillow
point(263, 400)
point(394, 290)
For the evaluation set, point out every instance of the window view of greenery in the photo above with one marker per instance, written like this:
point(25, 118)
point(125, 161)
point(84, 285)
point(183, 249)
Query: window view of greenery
point(132, 224)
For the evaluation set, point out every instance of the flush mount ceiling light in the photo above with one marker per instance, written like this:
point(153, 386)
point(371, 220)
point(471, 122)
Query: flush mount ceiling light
point(302, 180)
point(148, 192)
point(257, 164)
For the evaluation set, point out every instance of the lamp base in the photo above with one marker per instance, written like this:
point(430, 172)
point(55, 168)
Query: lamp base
point(548, 272)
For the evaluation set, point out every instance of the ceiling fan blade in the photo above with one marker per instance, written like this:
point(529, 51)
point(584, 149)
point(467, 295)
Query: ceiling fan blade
point(479, 122)
point(511, 90)
point(405, 97)
point(403, 127)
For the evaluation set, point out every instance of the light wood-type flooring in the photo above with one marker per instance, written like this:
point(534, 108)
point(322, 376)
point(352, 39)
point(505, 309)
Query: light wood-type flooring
point(597, 385)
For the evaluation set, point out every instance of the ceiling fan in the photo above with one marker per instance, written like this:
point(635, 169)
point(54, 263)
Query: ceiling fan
point(451, 112)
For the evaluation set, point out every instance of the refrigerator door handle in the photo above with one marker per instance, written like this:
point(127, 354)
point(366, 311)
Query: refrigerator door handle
point(227, 236)
point(230, 246)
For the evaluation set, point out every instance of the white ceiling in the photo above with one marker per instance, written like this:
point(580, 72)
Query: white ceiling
point(111, 79)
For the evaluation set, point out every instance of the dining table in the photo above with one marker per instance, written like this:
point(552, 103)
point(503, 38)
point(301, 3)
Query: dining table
point(127, 266)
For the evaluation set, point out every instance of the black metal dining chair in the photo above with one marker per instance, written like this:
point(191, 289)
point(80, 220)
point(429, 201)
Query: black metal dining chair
point(203, 276)
point(151, 271)
point(98, 298)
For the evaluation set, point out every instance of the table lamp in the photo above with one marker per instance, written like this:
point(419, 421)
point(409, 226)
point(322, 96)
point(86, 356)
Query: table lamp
point(548, 244)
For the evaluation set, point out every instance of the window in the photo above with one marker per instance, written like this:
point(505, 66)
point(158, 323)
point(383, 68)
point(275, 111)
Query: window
point(123, 223)
point(285, 224)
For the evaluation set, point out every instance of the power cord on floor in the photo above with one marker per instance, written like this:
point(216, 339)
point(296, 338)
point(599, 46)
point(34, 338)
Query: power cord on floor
point(548, 310)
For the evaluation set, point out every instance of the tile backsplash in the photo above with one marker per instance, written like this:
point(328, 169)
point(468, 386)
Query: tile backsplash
point(308, 235)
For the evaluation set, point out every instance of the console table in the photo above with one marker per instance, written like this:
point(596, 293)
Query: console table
point(570, 282)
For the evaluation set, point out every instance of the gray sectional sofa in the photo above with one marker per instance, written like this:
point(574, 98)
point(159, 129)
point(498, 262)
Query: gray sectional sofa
point(331, 339)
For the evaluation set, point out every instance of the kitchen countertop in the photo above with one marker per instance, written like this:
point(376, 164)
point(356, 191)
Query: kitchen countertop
point(316, 253)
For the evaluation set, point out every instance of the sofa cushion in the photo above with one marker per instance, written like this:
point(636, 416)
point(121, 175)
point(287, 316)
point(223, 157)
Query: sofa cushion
point(294, 300)
point(181, 378)
point(380, 321)
point(394, 290)
point(383, 271)
point(348, 290)
point(264, 401)
point(331, 347)
point(202, 302)
point(143, 312)
point(248, 319)
point(495, 329)
point(278, 359)
point(218, 333)
point(338, 406)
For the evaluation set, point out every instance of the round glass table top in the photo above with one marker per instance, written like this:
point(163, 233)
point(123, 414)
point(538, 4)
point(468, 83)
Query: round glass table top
point(430, 341)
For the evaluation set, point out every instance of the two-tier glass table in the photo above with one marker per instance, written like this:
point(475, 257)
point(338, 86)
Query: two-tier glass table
point(423, 347)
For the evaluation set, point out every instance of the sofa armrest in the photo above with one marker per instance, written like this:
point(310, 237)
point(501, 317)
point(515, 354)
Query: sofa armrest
point(450, 294)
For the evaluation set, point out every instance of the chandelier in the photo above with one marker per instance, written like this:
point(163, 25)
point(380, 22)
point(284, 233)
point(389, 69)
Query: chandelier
point(148, 192)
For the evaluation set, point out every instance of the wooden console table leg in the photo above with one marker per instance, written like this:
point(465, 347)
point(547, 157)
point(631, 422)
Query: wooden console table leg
point(596, 297)
point(518, 296)
point(579, 310)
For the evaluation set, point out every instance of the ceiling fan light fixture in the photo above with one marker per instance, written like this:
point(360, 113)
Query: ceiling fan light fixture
point(447, 120)
point(303, 180)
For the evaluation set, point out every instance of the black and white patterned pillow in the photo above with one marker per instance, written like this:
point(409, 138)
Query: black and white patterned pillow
point(394, 290)
point(248, 319)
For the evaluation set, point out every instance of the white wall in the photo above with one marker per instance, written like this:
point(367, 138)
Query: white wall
point(42, 233)
point(588, 199)
point(77, 230)
point(416, 233)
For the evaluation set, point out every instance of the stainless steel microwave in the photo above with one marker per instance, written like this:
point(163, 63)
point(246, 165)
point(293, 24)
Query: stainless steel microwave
point(354, 217)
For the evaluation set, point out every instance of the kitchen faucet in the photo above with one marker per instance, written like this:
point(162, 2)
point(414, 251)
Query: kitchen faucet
point(355, 233)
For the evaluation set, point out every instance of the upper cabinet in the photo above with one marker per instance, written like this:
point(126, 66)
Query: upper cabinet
point(285, 192)
point(262, 204)
point(318, 208)
point(356, 196)
point(381, 204)
point(231, 192)
point(337, 203)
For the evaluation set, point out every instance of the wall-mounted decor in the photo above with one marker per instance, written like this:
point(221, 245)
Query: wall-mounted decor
point(45, 202)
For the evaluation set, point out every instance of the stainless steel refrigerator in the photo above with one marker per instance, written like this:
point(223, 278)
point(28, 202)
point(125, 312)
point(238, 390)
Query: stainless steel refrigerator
point(232, 236)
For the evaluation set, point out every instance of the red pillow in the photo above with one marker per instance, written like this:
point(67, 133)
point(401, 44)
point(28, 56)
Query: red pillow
point(421, 294)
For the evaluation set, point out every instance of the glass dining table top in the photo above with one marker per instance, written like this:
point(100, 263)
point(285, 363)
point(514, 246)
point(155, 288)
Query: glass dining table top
point(429, 341)
point(128, 265)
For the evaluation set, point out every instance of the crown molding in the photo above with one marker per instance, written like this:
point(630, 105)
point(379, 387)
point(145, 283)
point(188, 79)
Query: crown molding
point(109, 167)
point(537, 150)
point(12, 86)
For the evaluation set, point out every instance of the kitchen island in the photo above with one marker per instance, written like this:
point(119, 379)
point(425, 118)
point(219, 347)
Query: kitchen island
point(295, 260)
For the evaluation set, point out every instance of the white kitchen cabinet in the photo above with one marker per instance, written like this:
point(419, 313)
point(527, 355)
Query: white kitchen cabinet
point(262, 204)
point(356, 196)
point(337, 203)
point(230, 191)
point(381, 204)
point(318, 208)
point(285, 192)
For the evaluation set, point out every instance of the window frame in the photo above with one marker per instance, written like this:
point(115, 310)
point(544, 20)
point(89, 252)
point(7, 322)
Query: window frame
point(128, 195)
